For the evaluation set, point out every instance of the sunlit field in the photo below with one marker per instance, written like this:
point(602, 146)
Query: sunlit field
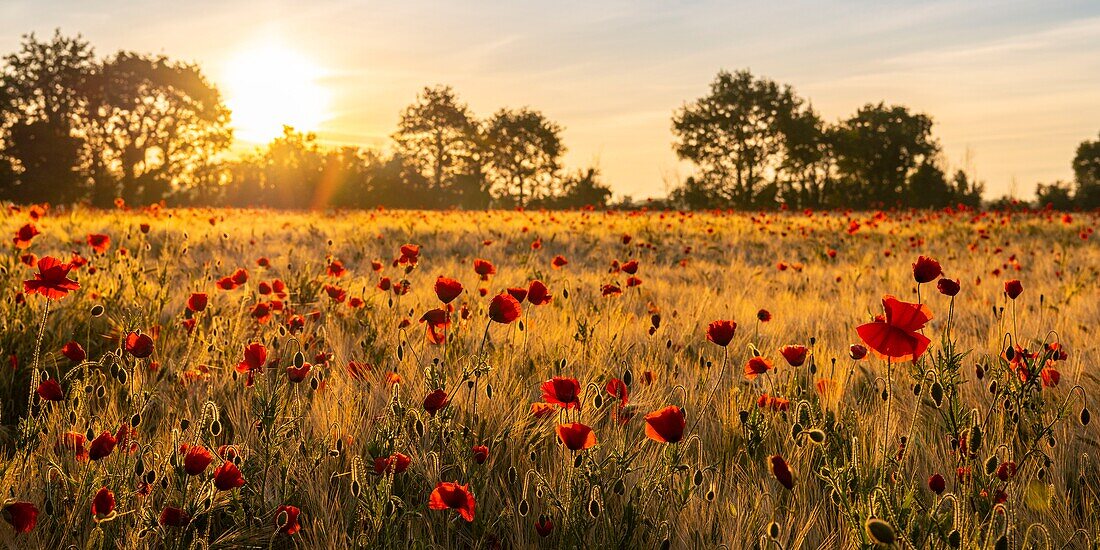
point(385, 379)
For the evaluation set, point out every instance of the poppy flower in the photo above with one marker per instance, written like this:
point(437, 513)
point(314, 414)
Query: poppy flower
point(665, 425)
point(721, 332)
point(73, 352)
point(948, 287)
point(756, 366)
point(1050, 376)
point(73, 442)
point(617, 389)
point(410, 254)
point(781, 470)
point(336, 293)
point(336, 269)
point(99, 242)
point(576, 436)
point(542, 410)
point(610, 290)
point(630, 268)
point(559, 262)
point(139, 345)
point(561, 391)
point(103, 503)
point(1013, 288)
point(24, 235)
point(102, 446)
point(297, 375)
point(538, 294)
point(240, 276)
point(197, 459)
point(227, 477)
point(394, 464)
point(384, 284)
point(632, 282)
point(857, 352)
point(52, 279)
point(795, 355)
point(261, 312)
point(504, 308)
point(896, 334)
point(519, 293)
point(937, 484)
point(197, 301)
point(484, 268)
point(288, 524)
point(174, 517)
point(1006, 471)
point(544, 526)
point(481, 453)
point(435, 401)
point(926, 270)
point(764, 315)
point(447, 289)
point(22, 516)
point(255, 355)
point(436, 319)
point(451, 495)
point(50, 390)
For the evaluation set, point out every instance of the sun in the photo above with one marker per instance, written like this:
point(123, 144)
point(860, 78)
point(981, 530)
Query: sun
point(270, 85)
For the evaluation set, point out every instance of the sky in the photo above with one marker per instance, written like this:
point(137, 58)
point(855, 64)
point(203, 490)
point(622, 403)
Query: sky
point(1013, 87)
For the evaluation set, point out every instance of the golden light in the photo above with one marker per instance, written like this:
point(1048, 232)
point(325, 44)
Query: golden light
point(268, 86)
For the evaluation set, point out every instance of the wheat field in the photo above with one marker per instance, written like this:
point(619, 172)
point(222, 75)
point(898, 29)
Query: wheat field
point(360, 449)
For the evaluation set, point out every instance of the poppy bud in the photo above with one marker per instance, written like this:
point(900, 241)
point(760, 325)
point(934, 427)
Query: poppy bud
point(937, 393)
point(773, 530)
point(880, 532)
point(937, 484)
point(697, 479)
point(1085, 416)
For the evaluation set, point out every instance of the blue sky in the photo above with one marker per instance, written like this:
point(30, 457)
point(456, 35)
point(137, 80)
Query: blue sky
point(1013, 86)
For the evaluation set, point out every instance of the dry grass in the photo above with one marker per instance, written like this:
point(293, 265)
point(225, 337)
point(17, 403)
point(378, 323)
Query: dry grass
point(321, 436)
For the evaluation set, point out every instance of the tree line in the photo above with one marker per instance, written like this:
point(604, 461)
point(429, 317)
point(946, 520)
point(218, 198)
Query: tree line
point(78, 128)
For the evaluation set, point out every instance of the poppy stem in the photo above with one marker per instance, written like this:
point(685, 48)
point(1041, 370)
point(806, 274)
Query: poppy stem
point(714, 390)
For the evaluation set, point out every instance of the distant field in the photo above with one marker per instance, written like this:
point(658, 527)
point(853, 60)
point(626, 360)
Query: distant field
point(350, 443)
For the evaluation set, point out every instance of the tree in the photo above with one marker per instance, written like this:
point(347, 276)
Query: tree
point(41, 109)
point(524, 151)
point(438, 136)
point(1086, 170)
point(734, 135)
point(806, 171)
point(877, 151)
point(1057, 195)
point(154, 124)
point(579, 190)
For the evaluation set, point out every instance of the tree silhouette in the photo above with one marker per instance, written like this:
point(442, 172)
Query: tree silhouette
point(41, 111)
point(524, 152)
point(439, 137)
point(1086, 170)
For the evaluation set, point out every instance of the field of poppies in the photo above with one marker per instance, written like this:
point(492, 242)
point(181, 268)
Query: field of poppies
point(377, 379)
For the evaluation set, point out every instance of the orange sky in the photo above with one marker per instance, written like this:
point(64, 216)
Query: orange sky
point(1013, 86)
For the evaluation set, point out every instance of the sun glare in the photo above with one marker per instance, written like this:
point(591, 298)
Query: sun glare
point(269, 86)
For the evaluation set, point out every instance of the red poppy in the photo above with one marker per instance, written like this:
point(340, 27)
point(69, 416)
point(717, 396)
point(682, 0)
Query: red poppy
point(721, 332)
point(336, 293)
point(451, 495)
point(99, 242)
point(948, 287)
point(782, 471)
point(544, 526)
point(261, 312)
point(255, 355)
point(447, 289)
point(197, 302)
point(73, 352)
point(937, 484)
point(435, 401)
point(756, 366)
point(410, 254)
point(197, 459)
point(22, 516)
point(1006, 471)
point(103, 503)
point(630, 267)
point(481, 453)
point(52, 279)
point(139, 345)
point(50, 390)
point(73, 442)
point(437, 319)
point(24, 235)
point(665, 425)
point(102, 446)
point(610, 290)
point(795, 355)
point(1050, 376)
point(1013, 288)
point(240, 276)
point(484, 268)
point(504, 308)
point(896, 334)
point(393, 464)
point(227, 477)
point(857, 352)
point(538, 294)
point(764, 315)
point(519, 293)
point(542, 410)
point(576, 436)
point(617, 389)
point(561, 391)
point(288, 524)
point(336, 269)
point(925, 270)
point(384, 284)
point(297, 375)
point(559, 262)
point(174, 517)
